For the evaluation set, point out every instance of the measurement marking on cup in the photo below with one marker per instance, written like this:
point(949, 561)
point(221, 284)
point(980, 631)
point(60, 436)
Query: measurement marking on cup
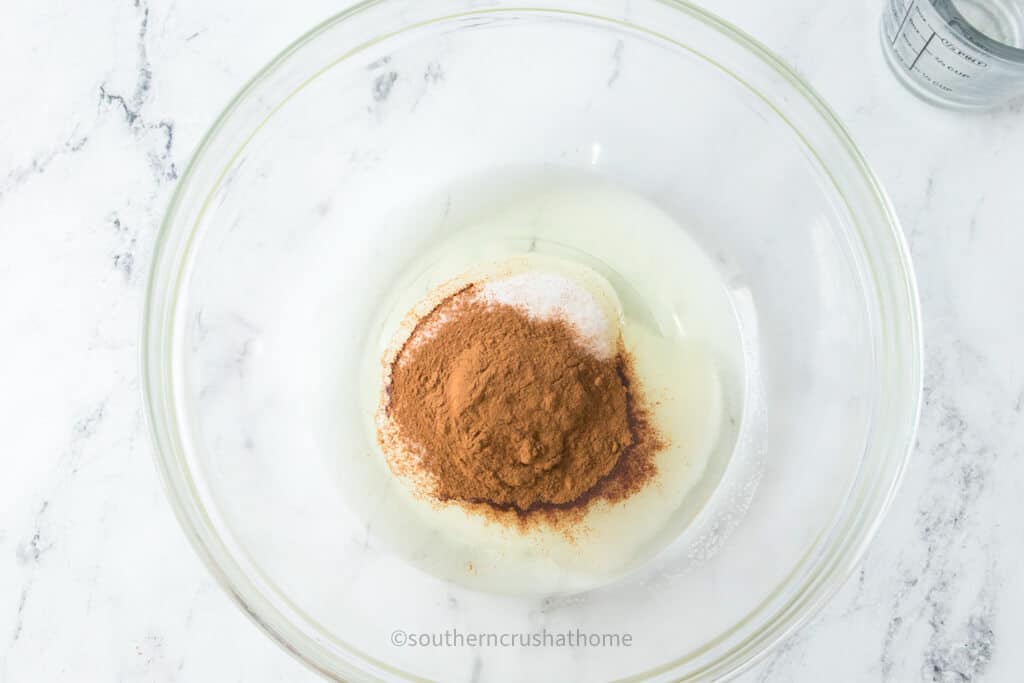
point(903, 23)
point(923, 49)
point(961, 69)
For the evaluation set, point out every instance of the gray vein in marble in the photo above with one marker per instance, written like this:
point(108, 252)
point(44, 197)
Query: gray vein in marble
point(367, 535)
point(857, 603)
point(124, 257)
point(200, 331)
point(383, 84)
point(963, 655)
point(132, 106)
point(32, 550)
point(30, 554)
point(788, 652)
point(434, 72)
point(87, 426)
point(39, 164)
point(432, 75)
point(19, 616)
point(232, 360)
point(124, 263)
point(907, 584)
point(956, 651)
point(144, 80)
point(895, 623)
point(554, 603)
point(163, 166)
point(616, 62)
point(972, 226)
point(380, 91)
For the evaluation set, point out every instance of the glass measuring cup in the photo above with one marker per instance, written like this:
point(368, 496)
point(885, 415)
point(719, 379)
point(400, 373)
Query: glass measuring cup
point(961, 53)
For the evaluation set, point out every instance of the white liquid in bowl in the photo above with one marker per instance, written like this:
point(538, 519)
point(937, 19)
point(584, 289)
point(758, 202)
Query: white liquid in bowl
point(653, 283)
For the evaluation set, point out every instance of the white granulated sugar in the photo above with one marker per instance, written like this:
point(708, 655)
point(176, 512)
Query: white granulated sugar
point(548, 296)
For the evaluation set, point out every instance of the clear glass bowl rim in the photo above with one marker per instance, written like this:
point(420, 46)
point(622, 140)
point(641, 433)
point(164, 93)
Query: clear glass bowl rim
point(278, 618)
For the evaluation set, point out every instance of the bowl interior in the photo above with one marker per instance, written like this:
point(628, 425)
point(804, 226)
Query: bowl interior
point(345, 161)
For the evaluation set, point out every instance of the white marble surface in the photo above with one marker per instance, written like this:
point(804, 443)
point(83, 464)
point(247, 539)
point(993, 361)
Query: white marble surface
point(102, 103)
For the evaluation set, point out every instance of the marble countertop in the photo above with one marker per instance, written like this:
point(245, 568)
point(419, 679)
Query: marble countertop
point(102, 104)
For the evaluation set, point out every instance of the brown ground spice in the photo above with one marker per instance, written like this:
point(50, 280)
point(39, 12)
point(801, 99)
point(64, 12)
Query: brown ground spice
point(494, 409)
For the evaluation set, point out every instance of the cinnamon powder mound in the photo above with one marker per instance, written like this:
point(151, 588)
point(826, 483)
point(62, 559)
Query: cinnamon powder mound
point(490, 407)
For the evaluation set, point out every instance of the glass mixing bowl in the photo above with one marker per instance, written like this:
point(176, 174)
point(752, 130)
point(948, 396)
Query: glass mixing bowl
point(281, 240)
